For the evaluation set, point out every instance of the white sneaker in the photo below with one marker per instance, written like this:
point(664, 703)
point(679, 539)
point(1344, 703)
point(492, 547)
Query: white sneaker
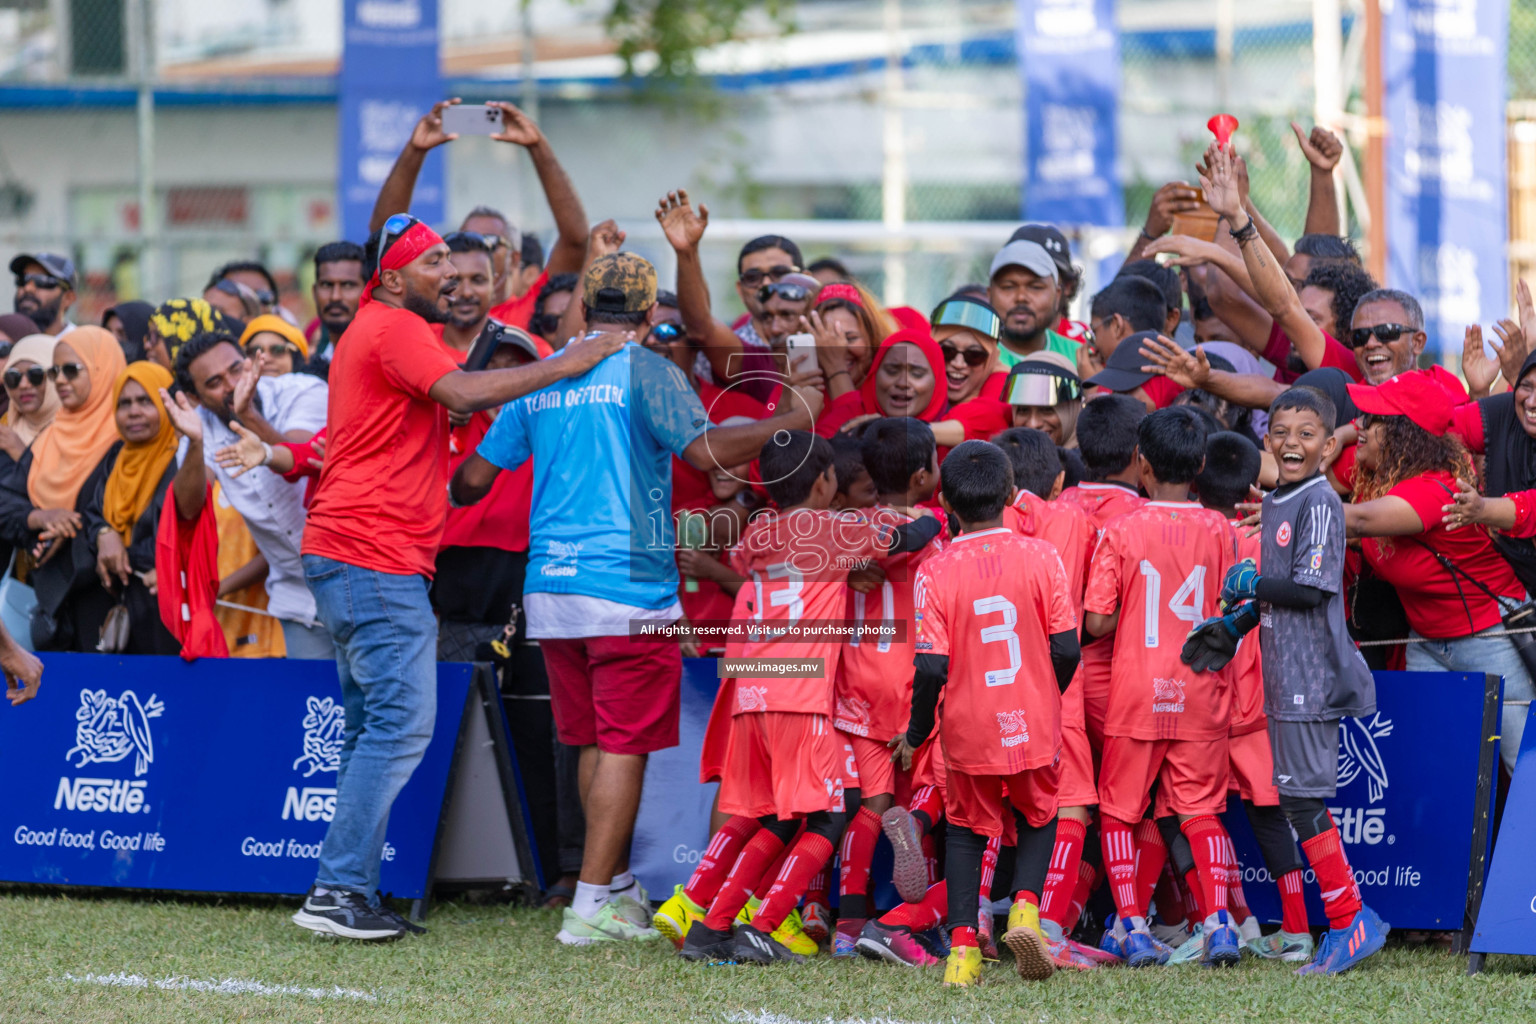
point(1249, 930)
point(608, 925)
point(634, 905)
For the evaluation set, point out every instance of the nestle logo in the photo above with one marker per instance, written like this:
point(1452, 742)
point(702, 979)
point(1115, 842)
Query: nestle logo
point(312, 803)
point(116, 796)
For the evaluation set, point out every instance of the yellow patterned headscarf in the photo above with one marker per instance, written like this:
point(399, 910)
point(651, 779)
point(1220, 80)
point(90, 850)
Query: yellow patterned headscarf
point(177, 320)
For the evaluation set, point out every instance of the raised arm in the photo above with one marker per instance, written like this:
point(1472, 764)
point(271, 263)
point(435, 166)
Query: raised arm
point(566, 254)
point(470, 391)
point(684, 228)
point(395, 195)
point(1322, 149)
point(1193, 370)
point(1174, 198)
point(190, 485)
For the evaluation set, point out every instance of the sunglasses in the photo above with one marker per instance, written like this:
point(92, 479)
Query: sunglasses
point(973, 316)
point(667, 332)
point(255, 349)
point(229, 287)
point(787, 292)
point(974, 357)
point(47, 282)
point(486, 242)
point(5, 349)
point(397, 225)
point(1385, 333)
point(69, 371)
point(35, 376)
point(1030, 387)
point(757, 275)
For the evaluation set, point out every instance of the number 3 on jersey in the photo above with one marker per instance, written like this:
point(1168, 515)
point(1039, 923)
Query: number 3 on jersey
point(1002, 632)
point(1185, 603)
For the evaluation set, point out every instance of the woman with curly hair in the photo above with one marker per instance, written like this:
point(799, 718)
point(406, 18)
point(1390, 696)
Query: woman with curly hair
point(1454, 584)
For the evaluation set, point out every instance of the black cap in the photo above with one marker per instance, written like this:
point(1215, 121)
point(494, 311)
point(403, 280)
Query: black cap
point(61, 267)
point(1123, 371)
point(1052, 241)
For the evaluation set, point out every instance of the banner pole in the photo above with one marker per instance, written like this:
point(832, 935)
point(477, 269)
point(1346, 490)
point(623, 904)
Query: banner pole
point(1482, 820)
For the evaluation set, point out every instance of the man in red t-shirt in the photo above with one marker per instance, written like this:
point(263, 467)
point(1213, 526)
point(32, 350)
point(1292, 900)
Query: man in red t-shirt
point(996, 630)
point(564, 204)
point(370, 542)
point(1154, 575)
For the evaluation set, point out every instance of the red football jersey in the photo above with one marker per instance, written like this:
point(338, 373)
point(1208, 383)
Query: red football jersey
point(1246, 668)
point(873, 693)
point(1162, 566)
point(1102, 502)
point(990, 601)
point(1066, 528)
point(796, 565)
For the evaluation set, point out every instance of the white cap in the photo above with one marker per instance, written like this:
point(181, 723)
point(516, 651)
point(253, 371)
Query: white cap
point(1024, 253)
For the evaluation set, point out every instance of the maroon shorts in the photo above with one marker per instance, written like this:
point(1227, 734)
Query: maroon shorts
point(618, 693)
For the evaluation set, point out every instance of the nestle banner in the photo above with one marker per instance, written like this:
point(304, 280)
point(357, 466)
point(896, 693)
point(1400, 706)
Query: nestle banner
point(1069, 56)
point(1444, 66)
point(1407, 803)
point(217, 776)
point(1506, 922)
point(389, 78)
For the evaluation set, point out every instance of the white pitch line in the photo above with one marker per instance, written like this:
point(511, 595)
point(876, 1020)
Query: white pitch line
point(225, 986)
point(765, 1017)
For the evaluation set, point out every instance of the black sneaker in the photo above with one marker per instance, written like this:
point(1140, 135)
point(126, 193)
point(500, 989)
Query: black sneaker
point(348, 915)
point(389, 913)
point(704, 944)
point(758, 947)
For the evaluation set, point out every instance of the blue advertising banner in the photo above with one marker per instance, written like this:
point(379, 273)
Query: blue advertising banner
point(672, 827)
point(1406, 805)
point(1069, 56)
point(217, 776)
point(1506, 922)
point(1444, 67)
point(389, 78)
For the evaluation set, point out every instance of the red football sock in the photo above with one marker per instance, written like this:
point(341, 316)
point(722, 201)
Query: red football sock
point(718, 857)
point(924, 914)
point(764, 849)
point(816, 891)
point(1025, 896)
point(963, 935)
point(1119, 844)
point(989, 865)
point(808, 856)
point(931, 856)
point(1237, 900)
point(1341, 897)
point(857, 851)
point(1170, 897)
point(1151, 855)
point(771, 872)
point(1061, 877)
point(1209, 843)
point(1194, 897)
point(1087, 878)
point(929, 803)
point(1293, 909)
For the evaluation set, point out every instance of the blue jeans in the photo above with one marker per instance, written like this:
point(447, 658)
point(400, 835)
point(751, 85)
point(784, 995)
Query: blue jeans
point(307, 643)
point(386, 655)
point(1496, 657)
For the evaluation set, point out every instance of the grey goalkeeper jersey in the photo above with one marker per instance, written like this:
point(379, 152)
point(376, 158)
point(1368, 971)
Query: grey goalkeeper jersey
point(1312, 670)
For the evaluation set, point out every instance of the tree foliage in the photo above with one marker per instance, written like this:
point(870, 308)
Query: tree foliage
point(676, 30)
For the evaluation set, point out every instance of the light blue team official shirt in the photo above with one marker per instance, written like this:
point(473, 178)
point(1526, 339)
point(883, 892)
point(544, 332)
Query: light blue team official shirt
point(602, 446)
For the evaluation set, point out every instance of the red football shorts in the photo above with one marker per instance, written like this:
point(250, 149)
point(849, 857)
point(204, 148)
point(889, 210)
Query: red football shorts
point(928, 764)
point(877, 775)
point(1077, 789)
point(1192, 773)
point(982, 803)
point(1253, 768)
point(1095, 684)
point(717, 733)
point(621, 694)
point(786, 764)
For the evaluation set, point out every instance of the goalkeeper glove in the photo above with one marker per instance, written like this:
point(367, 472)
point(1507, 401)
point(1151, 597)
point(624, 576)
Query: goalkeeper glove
point(1213, 643)
point(1241, 584)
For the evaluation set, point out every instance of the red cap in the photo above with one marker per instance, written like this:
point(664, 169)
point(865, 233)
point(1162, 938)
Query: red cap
point(1419, 395)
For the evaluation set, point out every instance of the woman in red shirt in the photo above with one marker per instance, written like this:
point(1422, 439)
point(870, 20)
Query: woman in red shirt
point(1454, 583)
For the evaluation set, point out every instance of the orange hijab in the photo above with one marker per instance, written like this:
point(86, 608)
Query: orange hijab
point(136, 475)
point(65, 455)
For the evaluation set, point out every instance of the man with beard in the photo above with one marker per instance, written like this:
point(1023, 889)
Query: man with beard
point(1025, 290)
point(45, 289)
point(371, 543)
point(337, 289)
point(230, 388)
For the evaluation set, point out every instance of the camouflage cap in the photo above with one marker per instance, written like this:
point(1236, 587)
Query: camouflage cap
point(620, 282)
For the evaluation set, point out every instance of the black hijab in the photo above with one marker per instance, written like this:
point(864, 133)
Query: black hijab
point(1510, 466)
point(135, 317)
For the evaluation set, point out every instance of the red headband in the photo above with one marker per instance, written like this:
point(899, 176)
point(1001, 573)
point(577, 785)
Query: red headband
point(846, 292)
point(417, 239)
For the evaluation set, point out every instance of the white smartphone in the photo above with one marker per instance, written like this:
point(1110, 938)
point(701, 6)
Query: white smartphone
point(472, 119)
point(802, 352)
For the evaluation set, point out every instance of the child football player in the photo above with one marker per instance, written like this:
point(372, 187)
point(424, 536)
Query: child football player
point(1313, 673)
point(997, 631)
point(1154, 575)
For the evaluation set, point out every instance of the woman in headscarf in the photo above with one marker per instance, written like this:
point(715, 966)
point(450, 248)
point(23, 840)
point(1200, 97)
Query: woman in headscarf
point(1046, 394)
point(65, 466)
point(129, 324)
point(14, 327)
point(122, 516)
point(281, 345)
point(32, 400)
point(173, 324)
